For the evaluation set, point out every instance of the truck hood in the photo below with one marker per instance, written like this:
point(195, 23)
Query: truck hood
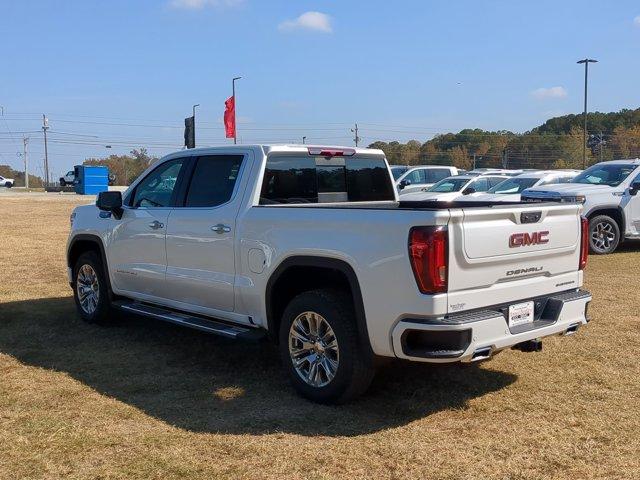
point(494, 197)
point(573, 188)
point(417, 196)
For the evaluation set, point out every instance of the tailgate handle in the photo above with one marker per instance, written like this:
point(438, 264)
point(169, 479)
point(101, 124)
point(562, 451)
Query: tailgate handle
point(530, 217)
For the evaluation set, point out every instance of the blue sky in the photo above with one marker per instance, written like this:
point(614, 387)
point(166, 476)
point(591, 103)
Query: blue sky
point(126, 73)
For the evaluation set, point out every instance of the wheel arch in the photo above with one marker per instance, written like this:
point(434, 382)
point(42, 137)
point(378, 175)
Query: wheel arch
point(82, 243)
point(614, 211)
point(285, 282)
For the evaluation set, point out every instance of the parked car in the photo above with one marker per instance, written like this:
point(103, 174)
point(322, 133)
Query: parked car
point(510, 189)
point(310, 247)
point(6, 182)
point(453, 187)
point(68, 178)
point(495, 171)
point(398, 170)
point(417, 178)
point(609, 191)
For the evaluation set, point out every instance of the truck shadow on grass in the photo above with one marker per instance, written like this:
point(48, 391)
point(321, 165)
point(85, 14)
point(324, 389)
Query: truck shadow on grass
point(204, 383)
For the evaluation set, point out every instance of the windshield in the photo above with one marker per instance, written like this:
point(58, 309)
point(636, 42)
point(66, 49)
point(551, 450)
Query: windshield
point(398, 171)
point(513, 185)
point(612, 174)
point(451, 184)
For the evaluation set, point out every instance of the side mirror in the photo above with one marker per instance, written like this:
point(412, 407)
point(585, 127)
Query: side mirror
point(468, 191)
point(110, 202)
point(634, 188)
point(404, 183)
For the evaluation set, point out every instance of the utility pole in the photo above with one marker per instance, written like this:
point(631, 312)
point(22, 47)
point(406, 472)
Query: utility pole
point(45, 127)
point(474, 161)
point(586, 62)
point(304, 139)
point(357, 138)
point(25, 142)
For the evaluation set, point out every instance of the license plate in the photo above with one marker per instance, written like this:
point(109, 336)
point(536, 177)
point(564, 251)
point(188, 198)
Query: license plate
point(520, 313)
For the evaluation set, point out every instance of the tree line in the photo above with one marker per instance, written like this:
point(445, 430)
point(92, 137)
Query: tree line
point(558, 143)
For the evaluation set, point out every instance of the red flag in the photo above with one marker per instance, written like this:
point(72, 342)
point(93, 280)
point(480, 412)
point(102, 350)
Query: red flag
point(230, 117)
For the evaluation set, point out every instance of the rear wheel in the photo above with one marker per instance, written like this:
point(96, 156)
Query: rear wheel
point(604, 235)
point(321, 349)
point(90, 289)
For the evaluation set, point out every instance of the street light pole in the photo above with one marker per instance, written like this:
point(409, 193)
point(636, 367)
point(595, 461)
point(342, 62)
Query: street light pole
point(235, 107)
point(586, 62)
point(194, 123)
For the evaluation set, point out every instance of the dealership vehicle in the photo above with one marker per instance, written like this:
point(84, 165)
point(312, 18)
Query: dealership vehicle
point(609, 191)
point(68, 179)
point(495, 171)
point(310, 247)
point(451, 188)
point(6, 182)
point(510, 189)
point(417, 178)
point(398, 170)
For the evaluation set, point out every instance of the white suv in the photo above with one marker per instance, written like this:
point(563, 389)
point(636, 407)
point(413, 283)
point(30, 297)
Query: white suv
point(609, 191)
point(6, 182)
point(418, 178)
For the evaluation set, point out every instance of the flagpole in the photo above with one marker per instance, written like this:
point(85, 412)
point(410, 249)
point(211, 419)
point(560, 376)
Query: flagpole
point(235, 125)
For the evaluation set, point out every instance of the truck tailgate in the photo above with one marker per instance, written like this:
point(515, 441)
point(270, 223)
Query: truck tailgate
point(500, 254)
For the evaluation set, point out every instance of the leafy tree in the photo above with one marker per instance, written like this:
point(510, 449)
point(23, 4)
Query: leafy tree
point(126, 168)
point(18, 176)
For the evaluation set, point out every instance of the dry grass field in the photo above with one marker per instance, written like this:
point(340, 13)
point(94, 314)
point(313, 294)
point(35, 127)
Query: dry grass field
point(146, 400)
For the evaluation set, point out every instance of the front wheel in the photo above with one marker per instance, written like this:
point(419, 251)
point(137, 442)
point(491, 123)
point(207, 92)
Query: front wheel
point(604, 235)
point(8, 184)
point(321, 349)
point(90, 289)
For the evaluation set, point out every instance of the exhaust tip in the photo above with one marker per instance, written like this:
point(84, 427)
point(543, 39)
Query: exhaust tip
point(483, 353)
point(571, 330)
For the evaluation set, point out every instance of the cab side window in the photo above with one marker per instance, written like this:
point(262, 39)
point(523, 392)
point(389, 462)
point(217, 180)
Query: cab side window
point(480, 185)
point(213, 180)
point(437, 174)
point(157, 188)
point(416, 176)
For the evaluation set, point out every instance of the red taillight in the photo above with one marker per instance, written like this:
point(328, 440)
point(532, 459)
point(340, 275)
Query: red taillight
point(428, 255)
point(331, 152)
point(584, 242)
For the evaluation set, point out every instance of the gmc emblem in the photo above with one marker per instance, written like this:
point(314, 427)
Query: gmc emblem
point(526, 239)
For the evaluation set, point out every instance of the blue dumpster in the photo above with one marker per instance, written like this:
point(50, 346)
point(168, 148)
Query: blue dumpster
point(91, 180)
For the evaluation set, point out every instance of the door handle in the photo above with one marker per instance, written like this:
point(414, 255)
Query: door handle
point(156, 225)
point(220, 228)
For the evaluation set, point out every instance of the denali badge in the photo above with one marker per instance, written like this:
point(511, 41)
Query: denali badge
point(526, 239)
point(521, 271)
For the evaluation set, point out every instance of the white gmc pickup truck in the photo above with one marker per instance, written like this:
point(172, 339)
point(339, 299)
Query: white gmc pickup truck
point(311, 247)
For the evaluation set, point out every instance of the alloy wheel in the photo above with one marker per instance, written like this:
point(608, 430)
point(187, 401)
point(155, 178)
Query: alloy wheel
point(603, 236)
point(313, 348)
point(88, 289)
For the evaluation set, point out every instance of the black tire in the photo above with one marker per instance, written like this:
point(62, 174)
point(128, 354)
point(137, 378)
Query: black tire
point(355, 369)
point(103, 312)
point(62, 182)
point(8, 185)
point(604, 235)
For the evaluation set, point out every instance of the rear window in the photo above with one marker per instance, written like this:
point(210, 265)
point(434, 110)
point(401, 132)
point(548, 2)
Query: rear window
point(309, 179)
